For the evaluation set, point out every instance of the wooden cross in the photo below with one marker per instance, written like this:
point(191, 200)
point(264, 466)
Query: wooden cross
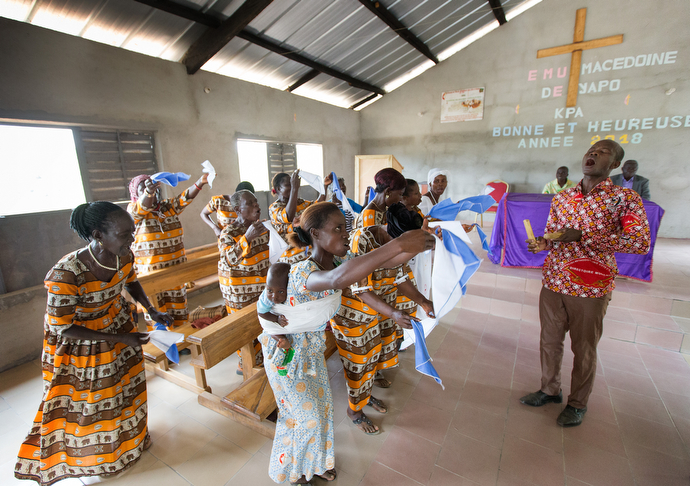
point(576, 49)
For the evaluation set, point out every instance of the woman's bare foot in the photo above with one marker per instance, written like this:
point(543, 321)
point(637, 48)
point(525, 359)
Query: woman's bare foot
point(302, 480)
point(362, 422)
point(329, 475)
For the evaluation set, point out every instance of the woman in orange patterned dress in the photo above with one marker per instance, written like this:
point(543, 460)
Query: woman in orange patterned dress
point(224, 212)
point(287, 208)
point(366, 331)
point(159, 241)
point(92, 420)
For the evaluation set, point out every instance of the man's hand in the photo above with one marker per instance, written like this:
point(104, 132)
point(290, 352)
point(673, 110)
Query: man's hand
point(569, 234)
point(535, 246)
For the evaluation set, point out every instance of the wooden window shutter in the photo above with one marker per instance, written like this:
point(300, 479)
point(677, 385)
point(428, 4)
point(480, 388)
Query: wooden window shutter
point(109, 159)
point(282, 157)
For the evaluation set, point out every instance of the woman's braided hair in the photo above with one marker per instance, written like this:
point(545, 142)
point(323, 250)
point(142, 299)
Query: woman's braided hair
point(92, 216)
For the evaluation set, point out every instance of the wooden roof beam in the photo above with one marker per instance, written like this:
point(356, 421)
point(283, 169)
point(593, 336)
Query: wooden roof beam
point(392, 21)
point(183, 11)
point(213, 40)
point(303, 80)
point(266, 44)
point(365, 100)
point(498, 11)
point(211, 21)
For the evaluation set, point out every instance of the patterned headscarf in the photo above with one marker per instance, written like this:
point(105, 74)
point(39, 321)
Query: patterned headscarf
point(134, 186)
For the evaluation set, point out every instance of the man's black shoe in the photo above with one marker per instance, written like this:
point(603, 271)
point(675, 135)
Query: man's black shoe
point(539, 398)
point(571, 416)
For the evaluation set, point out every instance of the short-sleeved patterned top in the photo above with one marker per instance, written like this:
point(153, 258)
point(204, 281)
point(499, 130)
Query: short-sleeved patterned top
point(279, 218)
point(382, 280)
point(370, 217)
point(158, 239)
point(297, 284)
point(76, 297)
point(612, 219)
point(224, 213)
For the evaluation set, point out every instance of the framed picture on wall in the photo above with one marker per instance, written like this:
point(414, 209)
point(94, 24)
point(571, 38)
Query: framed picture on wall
point(462, 105)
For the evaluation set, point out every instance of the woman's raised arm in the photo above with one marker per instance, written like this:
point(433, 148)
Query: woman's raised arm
point(395, 252)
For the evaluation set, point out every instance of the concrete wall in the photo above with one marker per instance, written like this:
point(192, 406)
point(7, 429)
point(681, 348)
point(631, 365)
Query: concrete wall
point(406, 123)
point(48, 76)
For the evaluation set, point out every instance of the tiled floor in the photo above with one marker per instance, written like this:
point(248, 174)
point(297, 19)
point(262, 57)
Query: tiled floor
point(637, 429)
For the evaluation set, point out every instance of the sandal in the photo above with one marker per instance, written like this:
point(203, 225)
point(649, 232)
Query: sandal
point(377, 405)
point(382, 383)
point(328, 476)
point(363, 419)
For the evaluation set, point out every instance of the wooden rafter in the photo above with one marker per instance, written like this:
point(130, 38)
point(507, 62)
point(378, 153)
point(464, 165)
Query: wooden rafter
point(213, 40)
point(266, 44)
point(311, 74)
point(392, 21)
point(498, 11)
point(365, 100)
point(211, 21)
point(184, 12)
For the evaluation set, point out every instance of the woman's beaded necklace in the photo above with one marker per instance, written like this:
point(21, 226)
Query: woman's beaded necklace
point(117, 260)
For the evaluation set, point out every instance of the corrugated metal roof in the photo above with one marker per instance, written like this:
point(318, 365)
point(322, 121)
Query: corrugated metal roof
point(340, 34)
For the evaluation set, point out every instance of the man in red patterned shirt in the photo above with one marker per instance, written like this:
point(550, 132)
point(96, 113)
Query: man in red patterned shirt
point(591, 222)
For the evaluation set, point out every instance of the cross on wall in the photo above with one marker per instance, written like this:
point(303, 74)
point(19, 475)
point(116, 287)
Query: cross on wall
point(576, 48)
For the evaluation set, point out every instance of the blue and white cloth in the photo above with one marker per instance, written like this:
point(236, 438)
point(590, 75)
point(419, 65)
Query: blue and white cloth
point(170, 178)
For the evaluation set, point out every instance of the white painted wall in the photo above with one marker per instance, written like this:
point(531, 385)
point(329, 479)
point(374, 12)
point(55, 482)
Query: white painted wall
point(49, 76)
point(406, 122)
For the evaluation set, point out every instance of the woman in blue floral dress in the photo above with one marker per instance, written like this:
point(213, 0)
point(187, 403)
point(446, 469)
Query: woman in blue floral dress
point(303, 443)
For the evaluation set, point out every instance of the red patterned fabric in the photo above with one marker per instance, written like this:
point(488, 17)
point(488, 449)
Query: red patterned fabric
point(612, 219)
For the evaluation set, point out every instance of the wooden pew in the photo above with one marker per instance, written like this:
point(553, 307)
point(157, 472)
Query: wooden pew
point(252, 401)
point(201, 266)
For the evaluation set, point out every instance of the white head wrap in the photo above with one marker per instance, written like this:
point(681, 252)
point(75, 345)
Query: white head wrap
point(436, 172)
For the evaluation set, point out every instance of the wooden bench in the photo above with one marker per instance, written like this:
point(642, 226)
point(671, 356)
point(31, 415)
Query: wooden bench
point(201, 268)
point(252, 401)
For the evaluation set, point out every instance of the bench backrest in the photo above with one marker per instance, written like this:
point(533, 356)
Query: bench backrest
point(226, 336)
point(171, 277)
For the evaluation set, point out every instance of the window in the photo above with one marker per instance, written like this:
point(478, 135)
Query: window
point(51, 169)
point(111, 158)
point(260, 161)
point(40, 168)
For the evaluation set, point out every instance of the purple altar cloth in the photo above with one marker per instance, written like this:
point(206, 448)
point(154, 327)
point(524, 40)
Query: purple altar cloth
point(508, 236)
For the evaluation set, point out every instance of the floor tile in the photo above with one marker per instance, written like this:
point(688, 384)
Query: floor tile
point(640, 406)
point(479, 424)
point(469, 458)
point(653, 468)
point(536, 425)
point(518, 459)
point(595, 466)
point(409, 454)
point(657, 337)
point(379, 474)
point(214, 464)
point(651, 435)
point(422, 419)
point(487, 397)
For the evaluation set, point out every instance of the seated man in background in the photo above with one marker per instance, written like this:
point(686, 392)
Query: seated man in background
point(560, 183)
point(629, 178)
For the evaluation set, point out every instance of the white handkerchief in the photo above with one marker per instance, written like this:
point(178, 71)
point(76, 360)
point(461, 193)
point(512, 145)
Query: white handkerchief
point(315, 181)
point(210, 170)
point(164, 339)
point(276, 244)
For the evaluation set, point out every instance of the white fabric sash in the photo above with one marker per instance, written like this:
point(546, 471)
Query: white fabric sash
point(310, 316)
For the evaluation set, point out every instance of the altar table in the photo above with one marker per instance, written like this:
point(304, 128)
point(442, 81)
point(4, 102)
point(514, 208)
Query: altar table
point(508, 237)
